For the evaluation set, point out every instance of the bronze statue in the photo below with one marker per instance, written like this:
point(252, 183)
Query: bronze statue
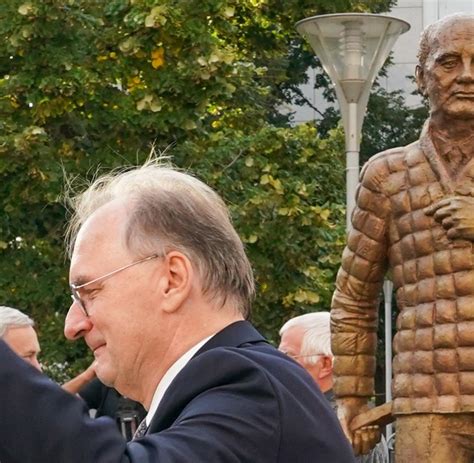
point(415, 218)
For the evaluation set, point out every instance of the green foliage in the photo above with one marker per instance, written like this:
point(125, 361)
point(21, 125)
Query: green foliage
point(88, 85)
point(389, 123)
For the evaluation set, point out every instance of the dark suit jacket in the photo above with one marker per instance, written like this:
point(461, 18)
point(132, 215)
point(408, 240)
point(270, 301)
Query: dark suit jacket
point(238, 400)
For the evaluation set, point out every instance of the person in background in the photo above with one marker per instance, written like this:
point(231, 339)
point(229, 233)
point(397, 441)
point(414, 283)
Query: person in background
point(17, 330)
point(307, 340)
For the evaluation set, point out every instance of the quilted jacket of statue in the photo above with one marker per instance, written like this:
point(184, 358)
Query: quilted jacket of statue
point(433, 278)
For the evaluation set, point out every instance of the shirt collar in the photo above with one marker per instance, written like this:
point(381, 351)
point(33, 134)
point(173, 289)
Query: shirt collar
point(444, 145)
point(169, 376)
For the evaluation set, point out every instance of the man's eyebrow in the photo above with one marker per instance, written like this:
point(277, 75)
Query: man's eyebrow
point(447, 54)
point(78, 281)
point(31, 352)
point(81, 279)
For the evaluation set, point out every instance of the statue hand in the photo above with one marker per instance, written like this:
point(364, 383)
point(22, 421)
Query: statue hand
point(455, 215)
point(363, 439)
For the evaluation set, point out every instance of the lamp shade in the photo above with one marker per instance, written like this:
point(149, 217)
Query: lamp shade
point(352, 47)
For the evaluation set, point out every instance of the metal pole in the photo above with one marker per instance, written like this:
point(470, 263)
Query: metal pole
point(387, 293)
point(352, 160)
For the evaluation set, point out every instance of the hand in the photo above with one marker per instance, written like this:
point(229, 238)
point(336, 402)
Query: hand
point(455, 215)
point(75, 384)
point(89, 373)
point(363, 439)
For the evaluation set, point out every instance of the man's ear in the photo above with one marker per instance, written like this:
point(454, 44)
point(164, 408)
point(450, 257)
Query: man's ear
point(326, 366)
point(179, 280)
point(420, 79)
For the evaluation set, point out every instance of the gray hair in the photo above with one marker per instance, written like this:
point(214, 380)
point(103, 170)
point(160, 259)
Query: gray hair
point(12, 318)
point(429, 36)
point(317, 334)
point(174, 210)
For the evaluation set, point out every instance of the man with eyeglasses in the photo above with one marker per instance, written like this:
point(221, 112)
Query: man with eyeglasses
point(307, 340)
point(161, 292)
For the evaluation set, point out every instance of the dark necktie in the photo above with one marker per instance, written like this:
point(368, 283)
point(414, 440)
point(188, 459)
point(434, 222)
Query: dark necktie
point(141, 430)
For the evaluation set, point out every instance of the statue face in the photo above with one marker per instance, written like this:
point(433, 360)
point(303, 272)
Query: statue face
point(448, 74)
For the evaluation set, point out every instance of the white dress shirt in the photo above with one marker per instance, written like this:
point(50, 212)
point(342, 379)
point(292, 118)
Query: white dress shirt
point(169, 376)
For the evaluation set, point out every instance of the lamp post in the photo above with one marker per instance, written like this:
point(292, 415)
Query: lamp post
point(352, 48)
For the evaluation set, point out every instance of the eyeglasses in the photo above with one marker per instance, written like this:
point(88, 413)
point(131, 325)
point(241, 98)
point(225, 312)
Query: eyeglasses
point(293, 356)
point(76, 297)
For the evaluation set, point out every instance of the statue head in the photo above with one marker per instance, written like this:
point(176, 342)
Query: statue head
point(445, 73)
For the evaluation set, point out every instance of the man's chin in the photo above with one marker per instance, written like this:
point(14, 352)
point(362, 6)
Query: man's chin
point(105, 375)
point(462, 110)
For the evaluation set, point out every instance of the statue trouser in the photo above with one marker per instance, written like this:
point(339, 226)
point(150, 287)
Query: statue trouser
point(435, 438)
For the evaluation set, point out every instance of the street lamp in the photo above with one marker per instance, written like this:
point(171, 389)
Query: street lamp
point(352, 48)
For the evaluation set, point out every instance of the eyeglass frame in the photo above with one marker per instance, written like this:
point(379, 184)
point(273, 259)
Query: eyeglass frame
point(76, 297)
point(294, 356)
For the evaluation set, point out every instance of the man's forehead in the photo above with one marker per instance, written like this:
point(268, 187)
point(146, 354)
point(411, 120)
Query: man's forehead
point(101, 238)
point(106, 224)
point(293, 336)
point(458, 31)
point(24, 337)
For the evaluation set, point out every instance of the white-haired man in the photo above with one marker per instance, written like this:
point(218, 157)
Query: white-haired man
point(17, 330)
point(161, 289)
point(307, 340)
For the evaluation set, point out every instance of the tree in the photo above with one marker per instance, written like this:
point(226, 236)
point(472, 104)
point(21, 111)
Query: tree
point(88, 85)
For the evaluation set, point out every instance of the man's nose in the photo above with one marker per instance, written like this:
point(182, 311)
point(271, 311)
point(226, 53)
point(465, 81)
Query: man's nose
point(34, 362)
point(467, 74)
point(76, 324)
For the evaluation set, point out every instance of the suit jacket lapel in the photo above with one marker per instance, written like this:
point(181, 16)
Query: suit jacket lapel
point(181, 392)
